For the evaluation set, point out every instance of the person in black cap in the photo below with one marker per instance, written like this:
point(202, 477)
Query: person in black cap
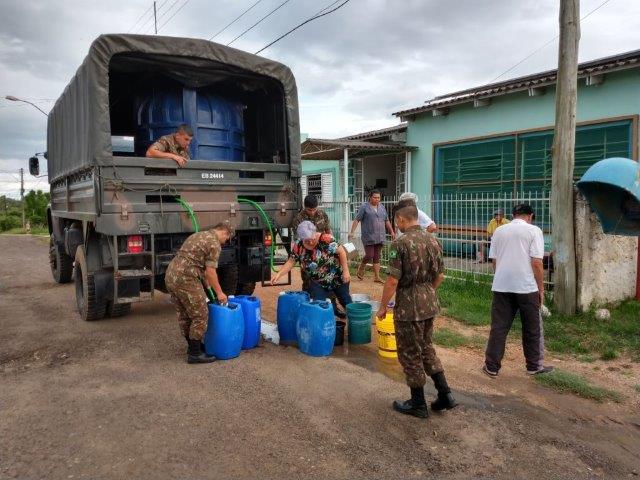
point(516, 251)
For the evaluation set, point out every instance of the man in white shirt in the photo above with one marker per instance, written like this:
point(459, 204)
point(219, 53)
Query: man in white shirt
point(424, 220)
point(516, 251)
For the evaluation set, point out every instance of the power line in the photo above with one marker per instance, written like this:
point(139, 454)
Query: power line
point(141, 16)
point(312, 18)
point(260, 21)
point(176, 12)
point(549, 42)
point(235, 19)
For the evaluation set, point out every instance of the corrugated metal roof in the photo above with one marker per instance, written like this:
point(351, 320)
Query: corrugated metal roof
point(333, 149)
point(594, 67)
point(376, 133)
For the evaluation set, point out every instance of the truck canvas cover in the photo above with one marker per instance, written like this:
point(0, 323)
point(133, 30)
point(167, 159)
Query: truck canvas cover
point(79, 129)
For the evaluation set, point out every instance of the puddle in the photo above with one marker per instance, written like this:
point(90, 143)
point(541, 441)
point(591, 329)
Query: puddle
point(366, 356)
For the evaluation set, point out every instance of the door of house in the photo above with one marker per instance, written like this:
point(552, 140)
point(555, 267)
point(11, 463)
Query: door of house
point(401, 175)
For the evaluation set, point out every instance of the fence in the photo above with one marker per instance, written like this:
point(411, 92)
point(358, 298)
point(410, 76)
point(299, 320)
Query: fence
point(462, 221)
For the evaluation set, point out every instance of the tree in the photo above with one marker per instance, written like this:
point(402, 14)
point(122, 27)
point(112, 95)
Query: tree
point(36, 207)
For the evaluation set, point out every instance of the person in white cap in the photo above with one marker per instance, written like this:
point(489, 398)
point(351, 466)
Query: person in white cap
point(323, 261)
point(424, 220)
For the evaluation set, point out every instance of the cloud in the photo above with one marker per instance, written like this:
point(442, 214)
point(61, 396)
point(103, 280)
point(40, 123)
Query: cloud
point(353, 67)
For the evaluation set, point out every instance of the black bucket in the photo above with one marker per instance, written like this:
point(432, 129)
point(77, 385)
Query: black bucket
point(339, 333)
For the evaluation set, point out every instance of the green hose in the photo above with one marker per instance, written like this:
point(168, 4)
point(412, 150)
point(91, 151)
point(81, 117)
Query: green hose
point(187, 207)
point(196, 228)
point(266, 220)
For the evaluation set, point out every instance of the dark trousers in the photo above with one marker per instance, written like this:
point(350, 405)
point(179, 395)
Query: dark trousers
point(318, 292)
point(503, 310)
point(415, 351)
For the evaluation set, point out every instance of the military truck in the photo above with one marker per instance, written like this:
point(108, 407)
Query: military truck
point(117, 218)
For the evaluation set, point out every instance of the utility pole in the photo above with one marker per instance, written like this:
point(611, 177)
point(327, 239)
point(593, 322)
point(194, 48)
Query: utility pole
point(24, 225)
point(564, 140)
point(155, 18)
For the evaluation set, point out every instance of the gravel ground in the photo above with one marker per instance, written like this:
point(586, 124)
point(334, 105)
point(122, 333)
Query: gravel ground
point(115, 399)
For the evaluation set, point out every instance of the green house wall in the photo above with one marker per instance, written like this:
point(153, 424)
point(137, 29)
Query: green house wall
point(618, 96)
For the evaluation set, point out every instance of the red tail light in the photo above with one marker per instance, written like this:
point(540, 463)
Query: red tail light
point(267, 240)
point(135, 244)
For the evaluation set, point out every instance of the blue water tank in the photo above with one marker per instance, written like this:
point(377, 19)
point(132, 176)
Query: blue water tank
point(288, 305)
point(217, 123)
point(251, 313)
point(225, 332)
point(316, 328)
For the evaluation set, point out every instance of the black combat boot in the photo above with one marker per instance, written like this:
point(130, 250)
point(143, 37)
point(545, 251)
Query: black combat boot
point(196, 355)
point(415, 406)
point(445, 400)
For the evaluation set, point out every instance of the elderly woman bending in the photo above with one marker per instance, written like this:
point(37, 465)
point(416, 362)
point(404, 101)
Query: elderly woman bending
point(323, 261)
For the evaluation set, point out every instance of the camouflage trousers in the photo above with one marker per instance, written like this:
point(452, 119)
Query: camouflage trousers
point(190, 302)
point(415, 351)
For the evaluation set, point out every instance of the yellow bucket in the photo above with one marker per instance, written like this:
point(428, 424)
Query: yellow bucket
point(386, 337)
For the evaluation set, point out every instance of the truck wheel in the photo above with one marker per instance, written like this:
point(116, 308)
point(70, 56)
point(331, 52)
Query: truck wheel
point(245, 288)
point(118, 309)
point(228, 278)
point(90, 307)
point(61, 263)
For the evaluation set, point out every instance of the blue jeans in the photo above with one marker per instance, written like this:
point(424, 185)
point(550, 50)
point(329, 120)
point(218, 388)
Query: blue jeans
point(318, 292)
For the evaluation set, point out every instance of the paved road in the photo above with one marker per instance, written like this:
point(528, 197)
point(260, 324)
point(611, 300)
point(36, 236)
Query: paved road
point(115, 399)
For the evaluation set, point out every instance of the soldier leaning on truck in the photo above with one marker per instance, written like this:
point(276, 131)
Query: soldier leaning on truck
point(416, 270)
point(195, 264)
point(174, 147)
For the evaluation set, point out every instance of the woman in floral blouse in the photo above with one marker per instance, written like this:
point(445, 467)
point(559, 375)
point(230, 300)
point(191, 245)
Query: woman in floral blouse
point(324, 262)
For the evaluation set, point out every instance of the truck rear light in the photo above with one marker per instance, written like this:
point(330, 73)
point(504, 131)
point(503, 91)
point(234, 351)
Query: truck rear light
point(135, 244)
point(267, 240)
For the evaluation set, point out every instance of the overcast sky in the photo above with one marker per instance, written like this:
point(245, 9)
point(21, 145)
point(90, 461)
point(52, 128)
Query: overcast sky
point(353, 67)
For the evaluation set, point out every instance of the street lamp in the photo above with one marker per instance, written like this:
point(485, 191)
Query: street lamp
point(16, 99)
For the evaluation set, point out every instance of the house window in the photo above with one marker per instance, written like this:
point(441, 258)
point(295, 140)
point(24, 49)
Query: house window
point(320, 185)
point(521, 163)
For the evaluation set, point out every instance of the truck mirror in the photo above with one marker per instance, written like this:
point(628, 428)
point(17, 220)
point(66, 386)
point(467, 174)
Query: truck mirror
point(34, 166)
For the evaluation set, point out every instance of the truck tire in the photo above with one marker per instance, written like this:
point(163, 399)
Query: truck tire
point(90, 307)
point(228, 278)
point(245, 288)
point(118, 309)
point(61, 263)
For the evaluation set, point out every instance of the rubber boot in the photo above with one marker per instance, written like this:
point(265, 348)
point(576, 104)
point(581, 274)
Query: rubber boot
point(445, 400)
point(415, 406)
point(196, 355)
point(186, 337)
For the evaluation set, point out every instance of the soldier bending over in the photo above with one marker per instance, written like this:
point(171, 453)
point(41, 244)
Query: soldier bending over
point(195, 264)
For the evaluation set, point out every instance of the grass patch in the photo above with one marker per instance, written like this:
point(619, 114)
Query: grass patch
point(469, 301)
point(586, 358)
point(466, 300)
point(36, 230)
point(567, 382)
point(637, 387)
point(448, 338)
point(609, 354)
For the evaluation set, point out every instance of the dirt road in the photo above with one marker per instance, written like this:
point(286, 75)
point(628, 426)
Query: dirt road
point(115, 399)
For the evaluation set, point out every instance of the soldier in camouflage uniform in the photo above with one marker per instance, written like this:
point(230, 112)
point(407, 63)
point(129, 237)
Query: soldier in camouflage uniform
point(194, 265)
point(312, 213)
point(174, 147)
point(416, 270)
